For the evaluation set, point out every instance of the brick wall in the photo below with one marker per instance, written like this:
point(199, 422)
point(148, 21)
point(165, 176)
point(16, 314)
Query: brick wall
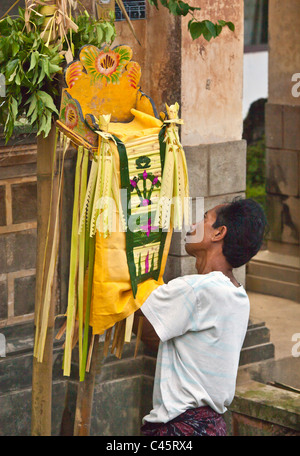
point(18, 202)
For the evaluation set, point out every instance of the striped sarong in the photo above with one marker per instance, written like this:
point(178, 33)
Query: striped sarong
point(202, 421)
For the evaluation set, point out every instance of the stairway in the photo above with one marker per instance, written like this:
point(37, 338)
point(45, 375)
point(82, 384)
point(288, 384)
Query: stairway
point(257, 345)
point(274, 274)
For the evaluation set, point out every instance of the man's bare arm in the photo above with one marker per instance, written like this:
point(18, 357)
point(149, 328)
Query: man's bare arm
point(149, 336)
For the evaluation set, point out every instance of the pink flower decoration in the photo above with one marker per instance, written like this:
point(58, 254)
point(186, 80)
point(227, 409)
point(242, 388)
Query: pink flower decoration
point(133, 182)
point(147, 263)
point(145, 174)
point(155, 180)
point(148, 228)
point(145, 202)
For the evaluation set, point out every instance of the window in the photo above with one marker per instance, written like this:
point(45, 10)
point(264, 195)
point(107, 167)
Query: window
point(136, 9)
point(6, 4)
point(256, 25)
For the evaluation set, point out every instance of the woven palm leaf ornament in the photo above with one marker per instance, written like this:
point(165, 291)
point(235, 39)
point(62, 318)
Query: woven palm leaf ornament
point(129, 162)
point(174, 192)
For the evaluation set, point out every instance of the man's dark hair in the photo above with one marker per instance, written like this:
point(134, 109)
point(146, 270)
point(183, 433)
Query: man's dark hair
point(246, 223)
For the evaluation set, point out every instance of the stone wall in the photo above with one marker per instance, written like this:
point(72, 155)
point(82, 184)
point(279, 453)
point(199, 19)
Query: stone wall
point(264, 410)
point(277, 270)
point(282, 119)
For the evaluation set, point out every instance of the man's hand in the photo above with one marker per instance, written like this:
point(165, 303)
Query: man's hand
point(149, 336)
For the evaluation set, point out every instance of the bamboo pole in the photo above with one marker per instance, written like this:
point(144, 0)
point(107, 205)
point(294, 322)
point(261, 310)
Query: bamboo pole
point(48, 199)
point(85, 393)
point(42, 371)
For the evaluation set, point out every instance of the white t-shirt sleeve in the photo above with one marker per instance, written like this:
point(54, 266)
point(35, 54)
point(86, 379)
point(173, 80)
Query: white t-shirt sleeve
point(171, 309)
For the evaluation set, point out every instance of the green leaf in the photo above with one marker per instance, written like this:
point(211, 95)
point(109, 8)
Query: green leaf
point(172, 6)
point(47, 100)
point(34, 60)
point(54, 68)
point(211, 28)
point(15, 48)
point(218, 29)
point(9, 127)
point(164, 3)
point(196, 29)
point(12, 76)
point(14, 107)
point(42, 75)
point(109, 33)
point(47, 127)
point(33, 117)
point(231, 26)
point(153, 3)
point(45, 66)
point(36, 74)
point(42, 125)
point(99, 31)
point(183, 8)
point(207, 35)
point(190, 23)
point(18, 78)
point(32, 104)
point(11, 66)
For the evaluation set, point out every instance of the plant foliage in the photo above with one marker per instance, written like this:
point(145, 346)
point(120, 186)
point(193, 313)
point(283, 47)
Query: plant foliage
point(256, 172)
point(197, 28)
point(33, 70)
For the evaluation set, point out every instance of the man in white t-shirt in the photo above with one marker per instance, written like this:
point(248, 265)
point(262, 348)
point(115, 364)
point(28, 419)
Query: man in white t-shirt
point(198, 324)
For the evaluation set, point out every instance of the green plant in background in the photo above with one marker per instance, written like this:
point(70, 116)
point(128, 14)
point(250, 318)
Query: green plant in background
point(33, 68)
point(197, 28)
point(256, 174)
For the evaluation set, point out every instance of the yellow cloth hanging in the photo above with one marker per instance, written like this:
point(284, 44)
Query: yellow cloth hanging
point(112, 297)
point(142, 125)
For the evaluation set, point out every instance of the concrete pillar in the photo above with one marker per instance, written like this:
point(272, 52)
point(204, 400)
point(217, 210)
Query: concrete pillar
point(276, 271)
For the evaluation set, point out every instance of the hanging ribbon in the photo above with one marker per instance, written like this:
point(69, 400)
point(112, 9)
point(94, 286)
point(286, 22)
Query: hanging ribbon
point(172, 205)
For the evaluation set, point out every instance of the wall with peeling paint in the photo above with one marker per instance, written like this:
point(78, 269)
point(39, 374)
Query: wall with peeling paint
point(212, 77)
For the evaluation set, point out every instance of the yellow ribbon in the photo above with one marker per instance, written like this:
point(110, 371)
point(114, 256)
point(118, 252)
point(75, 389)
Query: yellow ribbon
point(106, 136)
point(177, 121)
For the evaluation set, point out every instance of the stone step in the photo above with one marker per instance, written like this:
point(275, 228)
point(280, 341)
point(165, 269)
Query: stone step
point(255, 323)
point(16, 371)
point(257, 353)
point(277, 259)
point(264, 410)
point(271, 271)
point(256, 336)
point(279, 288)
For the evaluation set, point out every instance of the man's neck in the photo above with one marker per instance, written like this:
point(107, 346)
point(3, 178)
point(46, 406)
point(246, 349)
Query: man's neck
point(205, 265)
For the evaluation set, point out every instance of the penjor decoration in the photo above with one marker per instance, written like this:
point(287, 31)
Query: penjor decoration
point(131, 186)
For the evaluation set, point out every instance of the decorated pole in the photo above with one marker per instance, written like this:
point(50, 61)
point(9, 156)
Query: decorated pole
point(85, 391)
point(49, 188)
point(42, 371)
point(85, 394)
point(46, 190)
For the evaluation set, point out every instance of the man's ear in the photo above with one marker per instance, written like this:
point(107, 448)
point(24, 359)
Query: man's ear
point(219, 233)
